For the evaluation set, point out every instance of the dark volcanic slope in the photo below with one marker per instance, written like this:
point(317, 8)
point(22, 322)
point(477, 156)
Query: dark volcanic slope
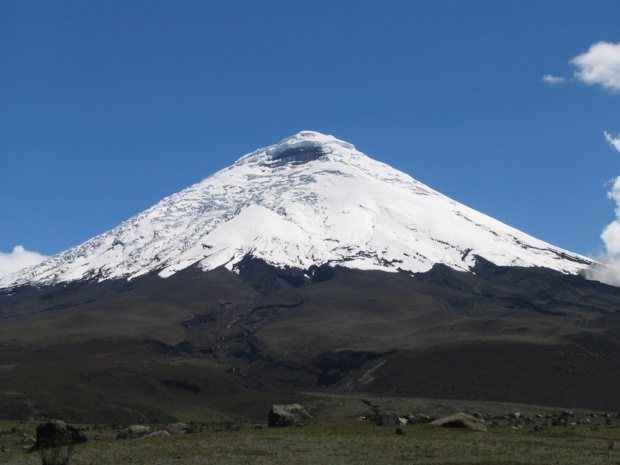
point(505, 334)
point(199, 342)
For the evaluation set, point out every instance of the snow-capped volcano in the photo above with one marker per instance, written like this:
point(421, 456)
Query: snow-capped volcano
point(309, 200)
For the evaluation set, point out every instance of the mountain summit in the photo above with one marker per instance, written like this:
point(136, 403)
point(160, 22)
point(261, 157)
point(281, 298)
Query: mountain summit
point(310, 199)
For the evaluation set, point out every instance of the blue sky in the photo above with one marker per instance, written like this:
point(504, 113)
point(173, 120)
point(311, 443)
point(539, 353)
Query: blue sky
point(107, 107)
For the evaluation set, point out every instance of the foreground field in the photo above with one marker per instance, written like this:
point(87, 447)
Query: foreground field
point(350, 442)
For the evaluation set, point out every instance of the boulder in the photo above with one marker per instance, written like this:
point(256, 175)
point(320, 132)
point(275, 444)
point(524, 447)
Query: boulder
point(287, 415)
point(563, 419)
point(386, 418)
point(461, 420)
point(56, 434)
point(133, 432)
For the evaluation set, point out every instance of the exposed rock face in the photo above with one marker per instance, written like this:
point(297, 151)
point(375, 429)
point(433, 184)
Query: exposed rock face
point(461, 420)
point(287, 415)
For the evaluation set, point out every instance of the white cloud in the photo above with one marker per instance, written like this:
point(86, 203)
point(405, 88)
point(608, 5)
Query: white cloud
point(600, 65)
point(613, 141)
point(549, 79)
point(609, 270)
point(18, 259)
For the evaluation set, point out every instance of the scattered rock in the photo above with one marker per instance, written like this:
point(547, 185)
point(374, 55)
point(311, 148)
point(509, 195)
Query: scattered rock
point(133, 432)
point(461, 420)
point(385, 418)
point(177, 428)
point(156, 434)
point(418, 419)
point(562, 419)
point(539, 429)
point(287, 415)
point(400, 430)
point(27, 441)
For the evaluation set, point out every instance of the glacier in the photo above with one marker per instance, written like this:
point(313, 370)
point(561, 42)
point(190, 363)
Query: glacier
point(310, 199)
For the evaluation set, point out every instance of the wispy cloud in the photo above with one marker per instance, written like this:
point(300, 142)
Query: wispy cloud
point(600, 65)
point(553, 80)
point(613, 141)
point(17, 259)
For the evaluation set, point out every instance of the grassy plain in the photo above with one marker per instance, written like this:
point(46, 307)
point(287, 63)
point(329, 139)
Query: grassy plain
point(350, 442)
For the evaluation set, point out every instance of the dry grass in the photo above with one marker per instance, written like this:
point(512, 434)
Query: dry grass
point(347, 442)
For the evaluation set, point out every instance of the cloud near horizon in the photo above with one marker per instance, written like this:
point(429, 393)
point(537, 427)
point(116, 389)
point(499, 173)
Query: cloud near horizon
point(609, 270)
point(18, 259)
point(600, 65)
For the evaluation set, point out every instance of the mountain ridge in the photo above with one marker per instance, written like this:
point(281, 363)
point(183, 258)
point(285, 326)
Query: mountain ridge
point(308, 200)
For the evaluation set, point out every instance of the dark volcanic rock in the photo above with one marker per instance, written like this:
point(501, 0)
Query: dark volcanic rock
point(387, 418)
point(56, 433)
point(268, 279)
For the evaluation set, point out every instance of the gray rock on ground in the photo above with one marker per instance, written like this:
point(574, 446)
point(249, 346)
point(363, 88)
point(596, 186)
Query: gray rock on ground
point(133, 432)
point(461, 420)
point(287, 415)
point(177, 428)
